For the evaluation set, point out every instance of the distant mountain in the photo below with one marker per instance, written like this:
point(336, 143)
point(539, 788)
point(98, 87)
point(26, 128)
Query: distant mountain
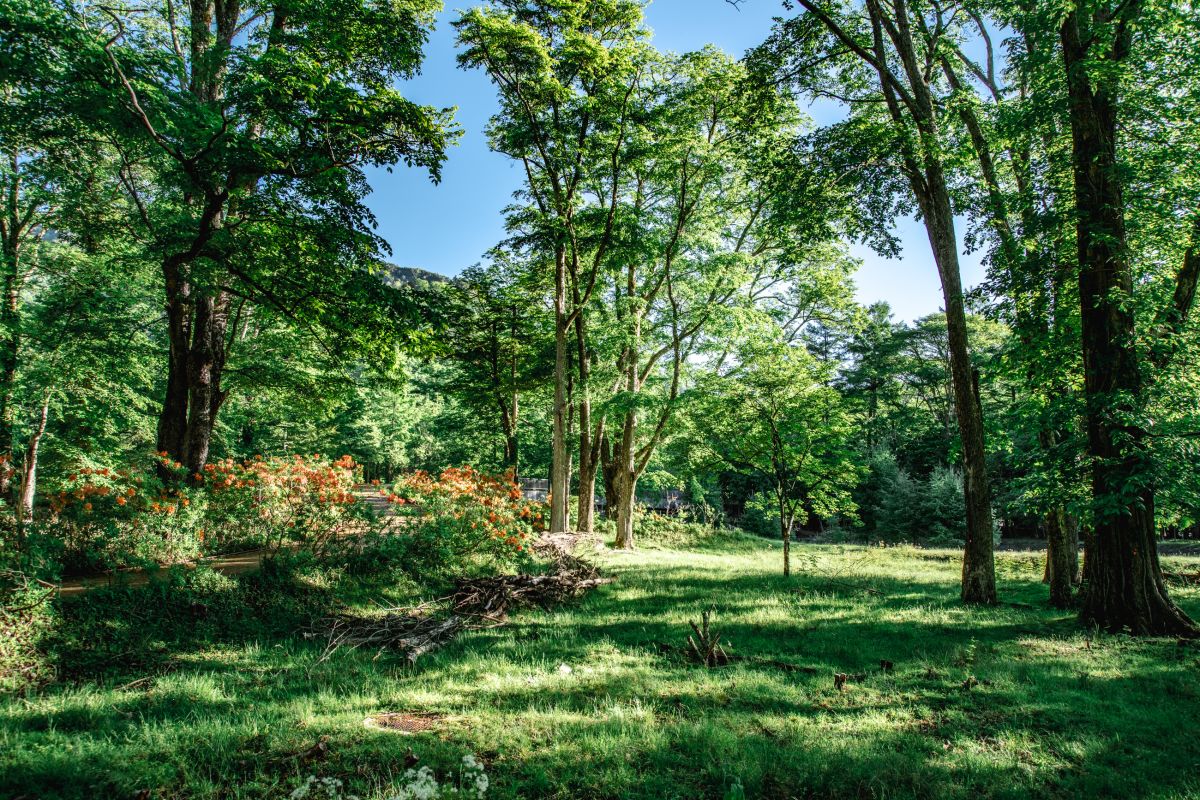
point(412, 276)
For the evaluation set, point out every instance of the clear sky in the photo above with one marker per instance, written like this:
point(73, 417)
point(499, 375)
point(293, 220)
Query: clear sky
point(448, 227)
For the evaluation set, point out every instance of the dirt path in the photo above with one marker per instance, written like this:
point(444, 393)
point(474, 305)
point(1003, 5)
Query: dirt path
point(232, 564)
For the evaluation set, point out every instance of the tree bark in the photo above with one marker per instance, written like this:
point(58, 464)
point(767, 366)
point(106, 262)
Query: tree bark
point(13, 229)
point(608, 471)
point(206, 362)
point(29, 474)
point(978, 571)
point(911, 106)
point(785, 532)
point(560, 457)
point(10, 347)
point(1062, 557)
point(589, 449)
point(626, 488)
point(1123, 586)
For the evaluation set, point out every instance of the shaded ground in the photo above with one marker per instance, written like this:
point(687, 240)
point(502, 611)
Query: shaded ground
point(1013, 702)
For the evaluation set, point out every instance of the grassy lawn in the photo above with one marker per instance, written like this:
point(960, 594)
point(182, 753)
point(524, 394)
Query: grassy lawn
point(214, 698)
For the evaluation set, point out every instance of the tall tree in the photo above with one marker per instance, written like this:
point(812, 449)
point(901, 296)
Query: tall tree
point(877, 56)
point(494, 344)
point(251, 124)
point(1123, 583)
point(565, 73)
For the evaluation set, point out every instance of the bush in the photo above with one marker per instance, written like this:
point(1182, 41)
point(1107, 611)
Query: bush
point(109, 519)
point(904, 509)
point(465, 520)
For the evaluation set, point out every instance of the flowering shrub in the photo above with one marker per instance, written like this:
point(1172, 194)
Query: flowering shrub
point(464, 516)
point(115, 518)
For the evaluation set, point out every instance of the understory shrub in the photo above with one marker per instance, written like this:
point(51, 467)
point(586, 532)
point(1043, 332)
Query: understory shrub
point(464, 520)
point(106, 519)
point(906, 509)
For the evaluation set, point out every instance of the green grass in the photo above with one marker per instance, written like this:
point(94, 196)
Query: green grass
point(230, 695)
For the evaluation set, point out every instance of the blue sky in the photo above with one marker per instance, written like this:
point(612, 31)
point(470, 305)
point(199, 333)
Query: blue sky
point(448, 227)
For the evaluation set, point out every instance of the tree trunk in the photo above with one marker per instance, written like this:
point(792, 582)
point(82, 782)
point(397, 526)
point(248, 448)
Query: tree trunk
point(172, 421)
point(1062, 557)
point(785, 533)
point(10, 347)
point(923, 168)
point(206, 362)
point(588, 439)
point(608, 471)
point(626, 488)
point(29, 476)
point(1122, 583)
point(560, 458)
point(979, 571)
point(587, 487)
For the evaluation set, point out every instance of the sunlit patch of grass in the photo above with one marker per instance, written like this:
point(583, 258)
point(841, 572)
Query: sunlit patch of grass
point(583, 702)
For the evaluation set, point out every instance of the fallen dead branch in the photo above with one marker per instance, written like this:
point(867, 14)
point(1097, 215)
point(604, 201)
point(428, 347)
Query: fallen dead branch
point(476, 603)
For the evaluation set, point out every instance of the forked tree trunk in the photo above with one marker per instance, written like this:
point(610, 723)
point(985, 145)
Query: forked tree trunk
point(586, 510)
point(206, 363)
point(913, 111)
point(172, 420)
point(1122, 583)
point(589, 450)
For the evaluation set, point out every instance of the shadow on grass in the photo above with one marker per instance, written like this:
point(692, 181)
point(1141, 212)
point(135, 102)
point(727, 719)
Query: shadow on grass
point(229, 694)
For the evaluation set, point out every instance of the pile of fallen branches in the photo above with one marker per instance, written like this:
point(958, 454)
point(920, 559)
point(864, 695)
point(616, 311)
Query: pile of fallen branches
point(476, 603)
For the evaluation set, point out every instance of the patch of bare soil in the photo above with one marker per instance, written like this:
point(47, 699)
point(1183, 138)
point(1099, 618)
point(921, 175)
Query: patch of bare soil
point(406, 722)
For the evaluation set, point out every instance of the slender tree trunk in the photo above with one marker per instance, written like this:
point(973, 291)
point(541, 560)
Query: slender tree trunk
point(979, 571)
point(785, 532)
point(914, 115)
point(1123, 586)
point(588, 446)
point(10, 347)
point(512, 452)
point(560, 458)
point(587, 484)
point(29, 476)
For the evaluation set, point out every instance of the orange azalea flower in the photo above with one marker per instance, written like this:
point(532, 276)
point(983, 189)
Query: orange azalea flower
point(121, 501)
point(87, 506)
